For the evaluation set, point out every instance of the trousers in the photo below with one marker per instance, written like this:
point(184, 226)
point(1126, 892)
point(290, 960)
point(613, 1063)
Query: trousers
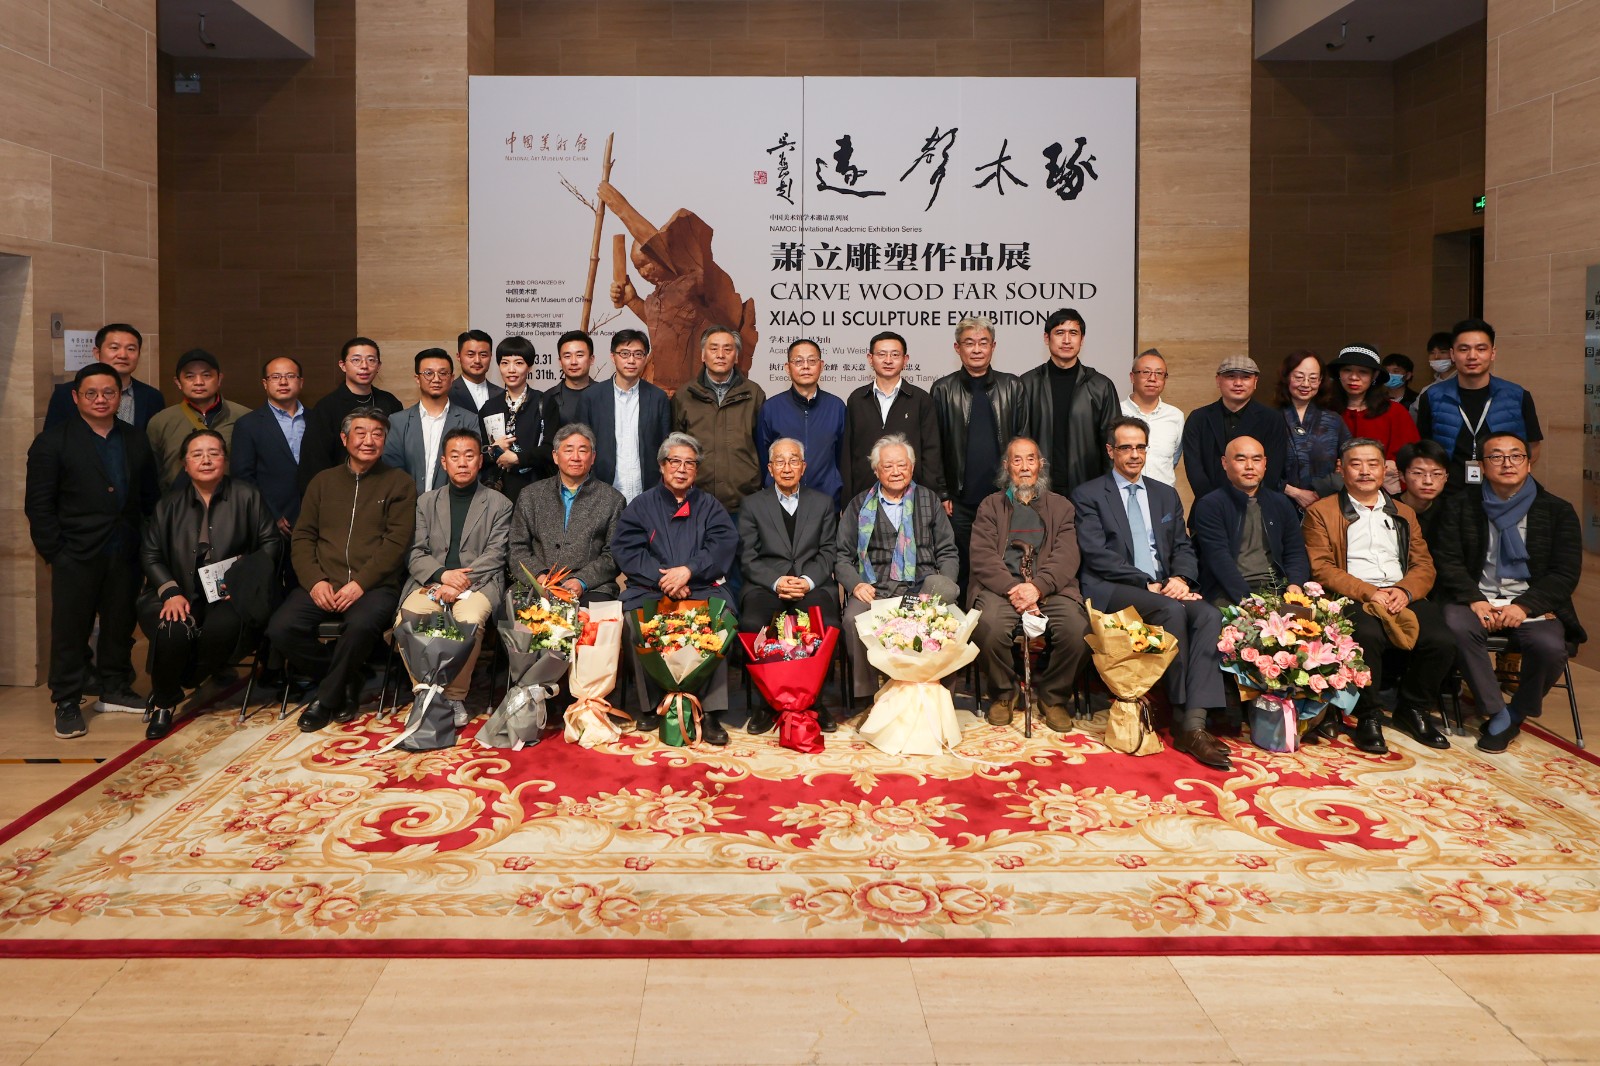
point(293, 632)
point(1425, 666)
point(81, 590)
point(996, 638)
point(472, 609)
point(1542, 642)
point(206, 642)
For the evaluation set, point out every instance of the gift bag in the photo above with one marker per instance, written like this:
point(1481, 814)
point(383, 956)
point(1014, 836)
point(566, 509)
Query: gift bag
point(1274, 724)
point(1130, 658)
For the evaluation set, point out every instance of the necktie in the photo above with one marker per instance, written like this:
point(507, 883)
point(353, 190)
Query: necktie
point(1143, 558)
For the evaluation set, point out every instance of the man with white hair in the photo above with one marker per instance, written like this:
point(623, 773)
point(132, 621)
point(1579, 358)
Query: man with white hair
point(894, 540)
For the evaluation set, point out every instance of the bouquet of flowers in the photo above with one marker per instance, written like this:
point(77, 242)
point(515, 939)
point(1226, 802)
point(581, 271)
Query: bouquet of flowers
point(594, 674)
point(788, 661)
point(540, 638)
point(915, 641)
point(1130, 657)
point(1294, 655)
point(434, 647)
point(680, 644)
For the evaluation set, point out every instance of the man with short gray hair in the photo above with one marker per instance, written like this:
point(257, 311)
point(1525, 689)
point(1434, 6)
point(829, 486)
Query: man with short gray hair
point(719, 408)
point(567, 521)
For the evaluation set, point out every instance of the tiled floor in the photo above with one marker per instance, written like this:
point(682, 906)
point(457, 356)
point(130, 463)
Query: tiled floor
point(1400, 1009)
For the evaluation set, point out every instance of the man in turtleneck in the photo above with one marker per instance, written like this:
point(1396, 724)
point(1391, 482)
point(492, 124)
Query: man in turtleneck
point(1069, 407)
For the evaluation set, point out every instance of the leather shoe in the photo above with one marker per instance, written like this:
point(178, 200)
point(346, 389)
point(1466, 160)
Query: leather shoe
point(1059, 718)
point(1204, 749)
point(825, 721)
point(711, 730)
point(761, 721)
point(1495, 743)
point(314, 717)
point(647, 722)
point(1001, 710)
point(346, 714)
point(1368, 736)
point(161, 723)
point(1419, 727)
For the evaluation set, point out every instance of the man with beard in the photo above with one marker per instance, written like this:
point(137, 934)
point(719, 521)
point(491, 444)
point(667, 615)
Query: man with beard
point(473, 389)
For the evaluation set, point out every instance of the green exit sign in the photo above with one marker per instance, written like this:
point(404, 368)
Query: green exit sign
point(1479, 204)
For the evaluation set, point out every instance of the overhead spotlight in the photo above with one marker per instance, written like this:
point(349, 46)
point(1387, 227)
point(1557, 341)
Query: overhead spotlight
point(1332, 46)
point(209, 43)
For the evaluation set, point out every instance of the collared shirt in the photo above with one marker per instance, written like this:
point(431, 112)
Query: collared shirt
point(567, 496)
point(478, 390)
point(630, 478)
point(1143, 499)
point(432, 433)
point(894, 510)
point(1497, 590)
point(1166, 439)
point(791, 504)
point(885, 399)
point(292, 425)
point(1372, 545)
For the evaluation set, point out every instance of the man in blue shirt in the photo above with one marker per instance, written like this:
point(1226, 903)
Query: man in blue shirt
point(266, 442)
point(807, 414)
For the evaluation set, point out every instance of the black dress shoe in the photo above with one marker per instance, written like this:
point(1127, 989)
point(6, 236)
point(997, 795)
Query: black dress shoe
point(825, 721)
point(314, 717)
point(761, 721)
point(1495, 743)
point(648, 722)
point(1204, 749)
point(346, 714)
point(160, 723)
point(1420, 728)
point(711, 730)
point(1368, 736)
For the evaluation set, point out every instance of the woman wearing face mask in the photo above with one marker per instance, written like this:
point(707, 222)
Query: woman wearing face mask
point(1315, 432)
point(1358, 395)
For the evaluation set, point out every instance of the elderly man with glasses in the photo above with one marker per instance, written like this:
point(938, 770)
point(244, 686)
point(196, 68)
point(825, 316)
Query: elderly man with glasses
point(1148, 379)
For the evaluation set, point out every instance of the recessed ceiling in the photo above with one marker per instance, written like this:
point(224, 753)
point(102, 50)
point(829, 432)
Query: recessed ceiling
point(1375, 30)
point(237, 29)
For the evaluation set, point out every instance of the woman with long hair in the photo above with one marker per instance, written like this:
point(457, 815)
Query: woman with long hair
point(1315, 432)
point(1358, 394)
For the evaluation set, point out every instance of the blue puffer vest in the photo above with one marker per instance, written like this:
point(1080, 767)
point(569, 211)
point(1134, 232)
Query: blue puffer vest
point(1505, 410)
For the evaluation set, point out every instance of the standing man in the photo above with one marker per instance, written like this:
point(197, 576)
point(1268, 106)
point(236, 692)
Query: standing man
point(513, 423)
point(805, 413)
point(118, 346)
point(417, 434)
point(889, 405)
point(1247, 537)
point(575, 353)
point(473, 389)
point(90, 482)
point(1461, 412)
point(630, 414)
point(1440, 362)
point(267, 442)
point(1235, 414)
point(349, 552)
point(568, 521)
point(719, 409)
point(1137, 554)
point(1069, 406)
point(979, 410)
point(359, 362)
point(1144, 402)
point(1368, 546)
point(199, 379)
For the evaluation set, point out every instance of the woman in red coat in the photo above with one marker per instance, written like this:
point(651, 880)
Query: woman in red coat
point(1368, 411)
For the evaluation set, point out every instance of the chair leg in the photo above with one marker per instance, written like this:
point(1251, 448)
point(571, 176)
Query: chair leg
point(283, 710)
point(383, 693)
point(249, 687)
point(1572, 704)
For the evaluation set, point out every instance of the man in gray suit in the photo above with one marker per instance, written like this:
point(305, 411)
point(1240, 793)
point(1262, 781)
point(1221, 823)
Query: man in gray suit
point(567, 521)
point(786, 545)
point(416, 435)
point(458, 553)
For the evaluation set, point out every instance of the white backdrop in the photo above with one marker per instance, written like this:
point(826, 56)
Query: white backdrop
point(908, 228)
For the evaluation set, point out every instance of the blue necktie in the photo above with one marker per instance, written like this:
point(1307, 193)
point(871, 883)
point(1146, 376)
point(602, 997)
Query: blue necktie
point(1143, 558)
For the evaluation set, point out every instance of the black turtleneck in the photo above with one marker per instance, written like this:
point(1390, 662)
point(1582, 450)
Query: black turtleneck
point(1063, 383)
point(460, 504)
point(982, 460)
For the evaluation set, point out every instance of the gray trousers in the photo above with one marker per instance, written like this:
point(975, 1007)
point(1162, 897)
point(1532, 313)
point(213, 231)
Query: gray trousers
point(1542, 642)
point(996, 638)
point(864, 679)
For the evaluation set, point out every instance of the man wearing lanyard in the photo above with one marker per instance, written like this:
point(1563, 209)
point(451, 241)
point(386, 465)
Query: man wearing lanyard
point(1462, 412)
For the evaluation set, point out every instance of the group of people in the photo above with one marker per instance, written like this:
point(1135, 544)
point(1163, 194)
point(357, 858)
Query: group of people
point(1015, 494)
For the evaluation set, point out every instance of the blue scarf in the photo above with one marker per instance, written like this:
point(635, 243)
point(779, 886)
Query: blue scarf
point(1511, 560)
point(903, 562)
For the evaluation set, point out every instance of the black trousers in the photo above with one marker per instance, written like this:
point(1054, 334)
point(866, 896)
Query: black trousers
point(1426, 664)
point(82, 590)
point(761, 603)
point(206, 643)
point(962, 516)
point(293, 632)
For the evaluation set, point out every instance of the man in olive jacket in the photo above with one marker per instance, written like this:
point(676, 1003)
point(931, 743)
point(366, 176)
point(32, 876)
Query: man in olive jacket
point(349, 553)
point(718, 409)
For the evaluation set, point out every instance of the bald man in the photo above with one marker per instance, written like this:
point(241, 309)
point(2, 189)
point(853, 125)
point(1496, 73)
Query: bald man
point(1247, 536)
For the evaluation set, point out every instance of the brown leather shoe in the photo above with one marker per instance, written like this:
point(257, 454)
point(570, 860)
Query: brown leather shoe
point(1001, 710)
point(1057, 717)
point(1204, 749)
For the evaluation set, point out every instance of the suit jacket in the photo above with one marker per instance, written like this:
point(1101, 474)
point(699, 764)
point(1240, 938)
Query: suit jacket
point(147, 401)
point(1095, 405)
point(403, 448)
point(767, 552)
point(541, 541)
point(1217, 523)
point(911, 413)
point(68, 496)
point(461, 396)
point(261, 457)
point(1204, 439)
point(1106, 542)
point(935, 539)
point(597, 410)
point(1055, 569)
point(484, 540)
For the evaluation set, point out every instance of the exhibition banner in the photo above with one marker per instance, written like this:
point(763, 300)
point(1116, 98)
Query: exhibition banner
point(828, 208)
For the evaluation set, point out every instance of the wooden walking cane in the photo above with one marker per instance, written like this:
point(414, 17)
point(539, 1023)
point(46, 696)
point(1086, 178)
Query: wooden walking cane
point(1028, 559)
point(594, 245)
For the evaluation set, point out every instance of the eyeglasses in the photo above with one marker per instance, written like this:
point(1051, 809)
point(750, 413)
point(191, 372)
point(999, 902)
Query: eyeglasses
point(434, 375)
point(786, 463)
point(362, 360)
point(682, 464)
point(629, 353)
point(1506, 458)
point(1150, 373)
point(278, 379)
point(1126, 449)
point(1305, 379)
point(806, 360)
point(970, 344)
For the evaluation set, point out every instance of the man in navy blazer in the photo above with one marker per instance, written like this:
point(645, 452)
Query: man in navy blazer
point(117, 344)
point(266, 442)
point(1248, 537)
point(630, 417)
point(1136, 553)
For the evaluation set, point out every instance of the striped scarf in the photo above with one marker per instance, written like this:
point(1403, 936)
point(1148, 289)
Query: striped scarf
point(903, 562)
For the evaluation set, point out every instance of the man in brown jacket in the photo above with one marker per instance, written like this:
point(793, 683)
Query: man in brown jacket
point(718, 409)
point(349, 552)
point(1368, 546)
point(1024, 554)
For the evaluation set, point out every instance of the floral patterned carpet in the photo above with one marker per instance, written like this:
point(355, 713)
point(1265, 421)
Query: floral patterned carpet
point(257, 840)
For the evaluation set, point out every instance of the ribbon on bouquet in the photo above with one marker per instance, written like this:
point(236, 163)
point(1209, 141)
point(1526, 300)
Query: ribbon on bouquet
point(589, 722)
point(419, 714)
point(679, 710)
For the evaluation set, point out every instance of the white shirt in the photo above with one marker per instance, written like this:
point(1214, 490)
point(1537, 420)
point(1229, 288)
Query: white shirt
point(478, 389)
point(1166, 439)
point(1497, 590)
point(885, 399)
point(630, 479)
point(1372, 546)
point(432, 433)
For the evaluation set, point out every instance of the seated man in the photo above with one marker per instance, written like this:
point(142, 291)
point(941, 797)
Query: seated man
point(1365, 545)
point(567, 522)
point(1246, 536)
point(1137, 554)
point(458, 553)
point(349, 551)
point(1024, 556)
point(1509, 555)
point(786, 540)
point(676, 540)
point(894, 539)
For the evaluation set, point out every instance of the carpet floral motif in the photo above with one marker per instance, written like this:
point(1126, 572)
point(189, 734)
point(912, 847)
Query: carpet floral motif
point(250, 836)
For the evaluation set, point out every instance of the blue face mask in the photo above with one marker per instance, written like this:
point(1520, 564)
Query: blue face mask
point(1395, 381)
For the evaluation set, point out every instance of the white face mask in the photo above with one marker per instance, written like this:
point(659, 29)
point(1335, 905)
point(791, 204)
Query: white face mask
point(1440, 366)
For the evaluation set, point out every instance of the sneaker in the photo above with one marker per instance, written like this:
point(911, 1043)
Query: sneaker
point(69, 720)
point(122, 701)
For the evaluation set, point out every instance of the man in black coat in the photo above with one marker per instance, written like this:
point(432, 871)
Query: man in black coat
point(1509, 554)
point(1069, 406)
point(323, 447)
point(1209, 429)
point(1247, 537)
point(890, 404)
point(473, 389)
point(91, 481)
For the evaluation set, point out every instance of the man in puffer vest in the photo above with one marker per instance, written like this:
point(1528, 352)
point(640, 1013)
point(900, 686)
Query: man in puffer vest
point(1463, 411)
